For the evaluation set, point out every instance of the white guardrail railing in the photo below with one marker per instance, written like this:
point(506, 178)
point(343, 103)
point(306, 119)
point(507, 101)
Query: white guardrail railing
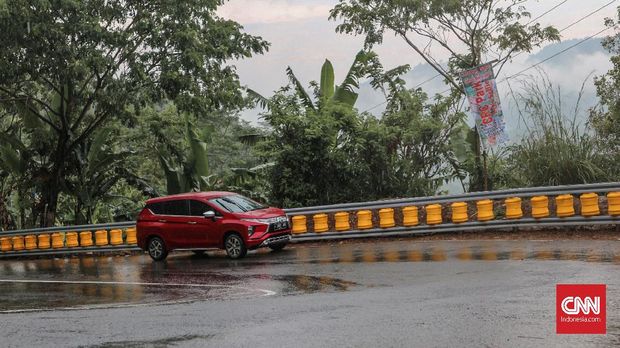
point(572, 205)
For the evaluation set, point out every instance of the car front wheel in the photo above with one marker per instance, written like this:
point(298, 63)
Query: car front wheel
point(157, 249)
point(235, 247)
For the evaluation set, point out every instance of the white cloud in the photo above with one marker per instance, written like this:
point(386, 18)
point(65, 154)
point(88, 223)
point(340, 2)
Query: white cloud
point(272, 11)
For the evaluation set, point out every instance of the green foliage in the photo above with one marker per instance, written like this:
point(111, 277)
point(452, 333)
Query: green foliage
point(69, 69)
point(331, 154)
point(470, 31)
point(556, 150)
point(606, 118)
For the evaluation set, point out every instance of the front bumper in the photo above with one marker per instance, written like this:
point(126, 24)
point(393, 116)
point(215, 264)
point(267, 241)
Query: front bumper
point(270, 240)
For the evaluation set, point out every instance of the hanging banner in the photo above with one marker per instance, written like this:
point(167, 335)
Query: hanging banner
point(481, 90)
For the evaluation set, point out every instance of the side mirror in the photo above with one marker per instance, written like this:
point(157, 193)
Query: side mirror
point(209, 214)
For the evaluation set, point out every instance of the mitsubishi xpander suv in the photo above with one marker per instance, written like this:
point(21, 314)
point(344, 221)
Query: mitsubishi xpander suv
point(206, 220)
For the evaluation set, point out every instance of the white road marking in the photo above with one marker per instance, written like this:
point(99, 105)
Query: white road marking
point(95, 282)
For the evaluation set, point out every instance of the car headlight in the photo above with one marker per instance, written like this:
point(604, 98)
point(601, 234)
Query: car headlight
point(259, 221)
point(250, 230)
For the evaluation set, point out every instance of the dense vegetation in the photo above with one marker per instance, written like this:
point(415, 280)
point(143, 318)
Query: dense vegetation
point(106, 103)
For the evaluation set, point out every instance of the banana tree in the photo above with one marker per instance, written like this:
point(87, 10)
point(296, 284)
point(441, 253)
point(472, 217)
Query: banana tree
point(326, 92)
point(192, 172)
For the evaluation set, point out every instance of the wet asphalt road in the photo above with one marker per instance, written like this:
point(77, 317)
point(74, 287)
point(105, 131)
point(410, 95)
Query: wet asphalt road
point(355, 294)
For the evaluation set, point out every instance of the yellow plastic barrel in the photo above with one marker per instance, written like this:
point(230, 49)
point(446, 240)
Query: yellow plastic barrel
point(410, 216)
point(540, 206)
point(71, 239)
point(364, 219)
point(86, 238)
point(299, 224)
point(320, 223)
point(131, 236)
point(116, 237)
point(58, 241)
point(342, 221)
point(513, 208)
point(30, 242)
point(18, 243)
point(386, 218)
point(459, 212)
point(613, 203)
point(433, 214)
point(45, 242)
point(564, 206)
point(101, 238)
point(5, 244)
point(485, 210)
point(589, 204)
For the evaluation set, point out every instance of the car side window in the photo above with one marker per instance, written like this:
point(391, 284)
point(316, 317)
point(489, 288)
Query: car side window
point(197, 208)
point(156, 208)
point(180, 207)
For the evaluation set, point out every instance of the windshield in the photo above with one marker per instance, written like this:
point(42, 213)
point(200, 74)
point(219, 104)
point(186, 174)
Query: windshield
point(237, 204)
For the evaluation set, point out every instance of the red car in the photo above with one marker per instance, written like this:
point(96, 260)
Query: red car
point(205, 220)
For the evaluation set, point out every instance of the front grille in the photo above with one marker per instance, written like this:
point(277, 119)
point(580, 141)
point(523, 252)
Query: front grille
point(278, 226)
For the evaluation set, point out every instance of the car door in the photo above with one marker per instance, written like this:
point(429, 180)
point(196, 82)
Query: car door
point(205, 230)
point(175, 216)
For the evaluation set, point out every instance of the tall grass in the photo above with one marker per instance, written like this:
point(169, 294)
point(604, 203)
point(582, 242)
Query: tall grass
point(556, 149)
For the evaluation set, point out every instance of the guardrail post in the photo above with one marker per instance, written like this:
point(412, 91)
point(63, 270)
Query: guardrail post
point(513, 208)
point(589, 204)
point(613, 203)
point(30, 242)
point(86, 238)
point(299, 224)
point(72, 239)
point(485, 210)
point(564, 205)
point(131, 236)
point(5, 244)
point(386, 218)
point(58, 241)
point(410, 216)
point(342, 221)
point(364, 219)
point(433, 214)
point(116, 237)
point(18, 243)
point(101, 237)
point(540, 206)
point(320, 223)
point(459, 212)
point(44, 241)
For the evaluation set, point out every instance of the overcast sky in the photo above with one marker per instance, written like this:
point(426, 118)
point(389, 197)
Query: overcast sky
point(301, 36)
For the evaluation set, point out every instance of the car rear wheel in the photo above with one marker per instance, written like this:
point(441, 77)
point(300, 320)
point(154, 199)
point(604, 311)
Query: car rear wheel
point(235, 247)
point(277, 247)
point(157, 249)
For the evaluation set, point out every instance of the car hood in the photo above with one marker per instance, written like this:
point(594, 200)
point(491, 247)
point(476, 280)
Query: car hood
point(261, 213)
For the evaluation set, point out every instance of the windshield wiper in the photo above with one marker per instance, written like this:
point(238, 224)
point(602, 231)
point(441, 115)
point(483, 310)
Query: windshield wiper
point(235, 203)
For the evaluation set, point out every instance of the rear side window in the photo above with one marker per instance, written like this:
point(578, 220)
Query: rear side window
point(156, 208)
point(179, 207)
point(197, 208)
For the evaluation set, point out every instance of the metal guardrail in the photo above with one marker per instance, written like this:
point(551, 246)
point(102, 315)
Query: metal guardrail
point(596, 218)
point(462, 197)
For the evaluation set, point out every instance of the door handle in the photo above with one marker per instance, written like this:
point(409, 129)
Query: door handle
point(162, 220)
point(192, 222)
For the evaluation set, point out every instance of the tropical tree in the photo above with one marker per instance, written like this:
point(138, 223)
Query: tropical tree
point(72, 66)
point(470, 32)
point(605, 119)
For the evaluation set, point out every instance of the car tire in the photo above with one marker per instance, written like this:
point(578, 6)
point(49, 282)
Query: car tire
point(277, 247)
point(235, 246)
point(157, 249)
